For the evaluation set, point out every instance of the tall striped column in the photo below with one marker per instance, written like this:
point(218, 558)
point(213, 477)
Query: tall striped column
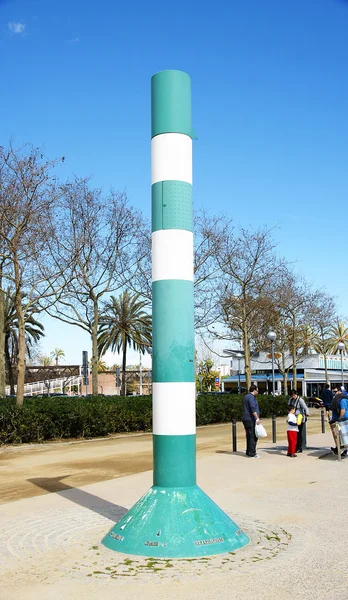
point(174, 413)
point(175, 518)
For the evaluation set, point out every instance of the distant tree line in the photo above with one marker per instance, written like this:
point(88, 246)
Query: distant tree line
point(83, 256)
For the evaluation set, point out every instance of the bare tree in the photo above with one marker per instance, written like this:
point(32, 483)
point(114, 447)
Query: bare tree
point(209, 233)
point(100, 236)
point(303, 315)
point(2, 344)
point(27, 196)
point(250, 267)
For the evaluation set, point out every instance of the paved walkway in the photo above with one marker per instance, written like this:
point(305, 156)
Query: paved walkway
point(82, 462)
point(294, 510)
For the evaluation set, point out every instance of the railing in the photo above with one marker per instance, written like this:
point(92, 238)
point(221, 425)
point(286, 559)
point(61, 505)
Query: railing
point(51, 386)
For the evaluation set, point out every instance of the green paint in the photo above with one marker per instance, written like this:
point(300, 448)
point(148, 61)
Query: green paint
point(171, 103)
point(175, 523)
point(173, 330)
point(157, 206)
point(172, 205)
point(174, 460)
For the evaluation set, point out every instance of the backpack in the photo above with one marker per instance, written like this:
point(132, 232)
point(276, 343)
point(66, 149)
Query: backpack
point(335, 405)
point(294, 403)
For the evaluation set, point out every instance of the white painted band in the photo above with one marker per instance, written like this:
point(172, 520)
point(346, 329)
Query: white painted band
point(174, 408)
point(172, 254)
point(171, 157)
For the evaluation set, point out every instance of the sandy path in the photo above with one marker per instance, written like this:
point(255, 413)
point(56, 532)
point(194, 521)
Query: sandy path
point(33, 470)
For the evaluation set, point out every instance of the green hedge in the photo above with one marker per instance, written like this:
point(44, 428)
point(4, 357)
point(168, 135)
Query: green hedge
point(223, 408)
point(41, 419)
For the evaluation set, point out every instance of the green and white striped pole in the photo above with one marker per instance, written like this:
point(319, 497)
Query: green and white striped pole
point(175, 518)
point(174, 416)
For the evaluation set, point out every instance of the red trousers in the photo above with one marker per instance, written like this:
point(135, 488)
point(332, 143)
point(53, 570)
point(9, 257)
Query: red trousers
point(292, 441)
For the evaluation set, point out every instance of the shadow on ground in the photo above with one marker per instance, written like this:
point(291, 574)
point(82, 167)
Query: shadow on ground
point(54, 485)
point(331, 456)
point(276, 450)
point(230, 452)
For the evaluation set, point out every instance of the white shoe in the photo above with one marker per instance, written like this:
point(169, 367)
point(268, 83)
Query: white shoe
point(256, 456)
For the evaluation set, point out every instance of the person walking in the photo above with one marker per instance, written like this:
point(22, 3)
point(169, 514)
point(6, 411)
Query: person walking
point(327, 397)
point(292, 432)
point(251, 416)
point(300, 408)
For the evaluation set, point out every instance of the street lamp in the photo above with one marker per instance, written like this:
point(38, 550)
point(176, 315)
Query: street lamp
point(272, 336)
point(239, 355)
point(341, 347)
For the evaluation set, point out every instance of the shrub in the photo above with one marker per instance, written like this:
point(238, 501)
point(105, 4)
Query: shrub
point(41, 419)
point(222, 408)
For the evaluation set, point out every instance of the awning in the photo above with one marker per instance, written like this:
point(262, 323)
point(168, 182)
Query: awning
point(261, 377)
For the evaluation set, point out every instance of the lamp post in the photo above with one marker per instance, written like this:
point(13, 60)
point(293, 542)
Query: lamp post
point(340, 347)
point(271, 336)
point(239, 355)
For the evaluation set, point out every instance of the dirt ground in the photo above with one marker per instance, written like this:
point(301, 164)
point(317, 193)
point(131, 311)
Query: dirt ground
point(33, 470)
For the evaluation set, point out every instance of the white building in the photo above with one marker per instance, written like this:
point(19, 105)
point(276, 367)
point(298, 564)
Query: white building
point(223, 370)
point(310, 373)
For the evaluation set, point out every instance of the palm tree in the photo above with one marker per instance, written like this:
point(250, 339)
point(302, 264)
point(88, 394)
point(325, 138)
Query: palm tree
point(57, 354)
point(102, 366)
point(125, 324)
point(307, 339)
point(338, 333)
point(322, 345)
point(46, 361)
point(33, 332)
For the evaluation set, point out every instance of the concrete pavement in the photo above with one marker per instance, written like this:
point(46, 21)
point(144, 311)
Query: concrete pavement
point(294, 511)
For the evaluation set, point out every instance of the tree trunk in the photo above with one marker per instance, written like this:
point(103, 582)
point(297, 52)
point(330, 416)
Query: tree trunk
point(285, 384)
point(21, 352)
point(124, 360)
point(2, 345)
point(9, 366)
point(285, 375)
point(21, 333)
point(294, 358)
point(94, 336)
point(246, 357)
point(325, 365)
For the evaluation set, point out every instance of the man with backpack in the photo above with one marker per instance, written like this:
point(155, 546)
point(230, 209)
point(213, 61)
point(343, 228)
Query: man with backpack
point(339, 407)
point(301, 408)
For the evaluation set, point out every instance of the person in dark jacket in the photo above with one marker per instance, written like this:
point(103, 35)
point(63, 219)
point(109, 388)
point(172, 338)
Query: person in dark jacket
point(251, 416)
point(339, 407)
point(327, 397)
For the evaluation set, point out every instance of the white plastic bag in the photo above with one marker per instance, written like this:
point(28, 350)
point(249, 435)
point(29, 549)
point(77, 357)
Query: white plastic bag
point(260, 431)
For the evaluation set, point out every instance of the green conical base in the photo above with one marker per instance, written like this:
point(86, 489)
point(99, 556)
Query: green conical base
point(175, 523)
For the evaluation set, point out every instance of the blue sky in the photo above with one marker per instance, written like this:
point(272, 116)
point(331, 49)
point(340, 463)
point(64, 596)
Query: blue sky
point(270, 93)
